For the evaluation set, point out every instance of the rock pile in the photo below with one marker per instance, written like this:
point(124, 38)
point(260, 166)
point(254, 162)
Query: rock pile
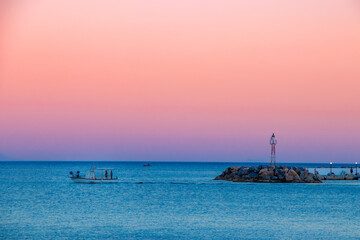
point(271, 174)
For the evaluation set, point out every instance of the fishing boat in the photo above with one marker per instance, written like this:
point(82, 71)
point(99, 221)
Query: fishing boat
point(95, 175)
point(147, 165)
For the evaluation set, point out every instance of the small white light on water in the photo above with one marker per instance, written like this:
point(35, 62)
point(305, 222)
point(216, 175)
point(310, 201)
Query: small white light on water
point(330, 162)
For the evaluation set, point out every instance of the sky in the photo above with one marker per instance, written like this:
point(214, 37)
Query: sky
point(170, 80)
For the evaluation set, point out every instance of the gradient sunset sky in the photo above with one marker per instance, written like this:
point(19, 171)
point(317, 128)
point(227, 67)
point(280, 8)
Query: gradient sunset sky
point(180, 80)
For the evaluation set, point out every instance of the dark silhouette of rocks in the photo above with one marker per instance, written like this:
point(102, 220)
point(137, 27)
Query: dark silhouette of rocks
point(269, 174)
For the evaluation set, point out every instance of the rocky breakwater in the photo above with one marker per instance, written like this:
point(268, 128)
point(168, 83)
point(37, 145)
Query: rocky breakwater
point(269, 174)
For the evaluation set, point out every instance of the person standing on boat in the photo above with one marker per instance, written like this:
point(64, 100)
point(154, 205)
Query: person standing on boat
point(351, 171)
point(110, 174)
point(106, 175)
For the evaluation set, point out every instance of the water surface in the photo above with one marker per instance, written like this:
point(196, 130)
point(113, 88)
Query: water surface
point(170, 201)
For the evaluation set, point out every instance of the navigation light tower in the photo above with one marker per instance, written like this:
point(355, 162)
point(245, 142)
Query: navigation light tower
point(273, 142)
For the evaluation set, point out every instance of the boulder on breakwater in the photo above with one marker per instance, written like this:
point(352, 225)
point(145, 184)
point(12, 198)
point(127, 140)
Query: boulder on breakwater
point(269, 174)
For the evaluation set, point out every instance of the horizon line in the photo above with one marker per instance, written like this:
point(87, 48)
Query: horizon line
point(160, 161)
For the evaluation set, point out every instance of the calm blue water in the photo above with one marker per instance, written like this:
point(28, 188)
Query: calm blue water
point(169, 201)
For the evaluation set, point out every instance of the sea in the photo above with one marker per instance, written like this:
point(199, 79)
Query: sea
point(170, 200)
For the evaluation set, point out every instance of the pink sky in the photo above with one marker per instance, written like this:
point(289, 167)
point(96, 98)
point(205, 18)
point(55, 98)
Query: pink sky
point(180, 80)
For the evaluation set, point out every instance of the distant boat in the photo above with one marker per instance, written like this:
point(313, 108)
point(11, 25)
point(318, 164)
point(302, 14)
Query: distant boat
point(95, 175)
point(147, 165)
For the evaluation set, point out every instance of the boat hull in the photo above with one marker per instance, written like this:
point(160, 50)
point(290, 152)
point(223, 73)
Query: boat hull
point(93, 181)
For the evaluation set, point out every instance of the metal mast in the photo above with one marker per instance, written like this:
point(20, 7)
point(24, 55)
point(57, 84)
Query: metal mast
point(273, 142)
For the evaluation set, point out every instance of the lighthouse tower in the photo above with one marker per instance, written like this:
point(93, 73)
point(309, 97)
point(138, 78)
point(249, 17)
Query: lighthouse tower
point(273, 142)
